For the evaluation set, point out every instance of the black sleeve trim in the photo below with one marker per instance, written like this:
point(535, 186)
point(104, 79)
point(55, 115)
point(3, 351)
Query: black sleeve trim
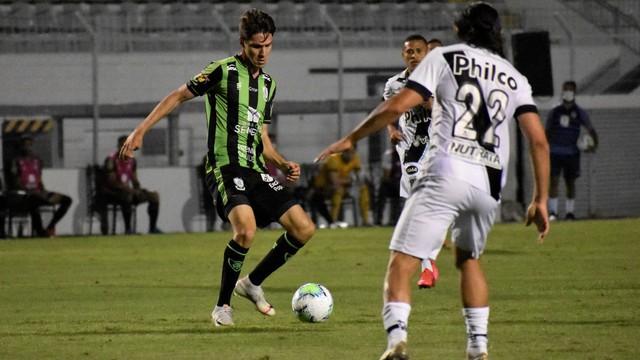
point(190, 87)
point(525, 109)
point(426, 94)
point(200, 87)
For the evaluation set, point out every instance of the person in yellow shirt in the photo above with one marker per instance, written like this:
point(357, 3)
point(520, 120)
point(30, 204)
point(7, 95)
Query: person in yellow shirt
point(335, 178)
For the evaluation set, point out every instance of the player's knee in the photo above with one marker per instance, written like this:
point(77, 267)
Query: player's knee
point(244, 235)
point(305, 231)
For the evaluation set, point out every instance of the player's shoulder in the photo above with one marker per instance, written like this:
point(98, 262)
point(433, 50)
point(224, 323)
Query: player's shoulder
point(397, 77)
point(268, 78)
point(396, 81)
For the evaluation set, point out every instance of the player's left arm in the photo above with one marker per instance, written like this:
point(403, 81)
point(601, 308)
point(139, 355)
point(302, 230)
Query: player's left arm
point(291, 168)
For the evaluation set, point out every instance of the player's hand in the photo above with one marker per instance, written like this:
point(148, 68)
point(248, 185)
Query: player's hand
point(537, 214)
point(293, 171)
point(395, 135)
point(339, 146)
point(133, 143)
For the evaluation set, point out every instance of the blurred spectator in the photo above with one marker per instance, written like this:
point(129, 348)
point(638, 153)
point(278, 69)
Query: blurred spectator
point(317, 197)
point(26, 175)
point(563, 131)
point(389, 188)
point(335, 179)
point(123, 188)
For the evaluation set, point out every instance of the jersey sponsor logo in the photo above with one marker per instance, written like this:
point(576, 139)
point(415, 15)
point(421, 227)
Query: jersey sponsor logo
point(411, 169)
point(239, 184)
point(252, 89)
point(486, 71)
point(420, 140)
point(565, 120)
point(474, 153)
point(239, 129)
point(273, 183)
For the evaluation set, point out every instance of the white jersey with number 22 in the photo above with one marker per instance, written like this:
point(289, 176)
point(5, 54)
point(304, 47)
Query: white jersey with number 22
point(476, 93)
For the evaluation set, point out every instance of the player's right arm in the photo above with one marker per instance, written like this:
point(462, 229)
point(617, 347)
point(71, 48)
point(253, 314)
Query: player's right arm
point(533, 130)
point(200, 84)
point(162, 109)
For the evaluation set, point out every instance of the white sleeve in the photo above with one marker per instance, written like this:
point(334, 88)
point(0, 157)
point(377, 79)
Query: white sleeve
point(425, 78)
point(388, 90)
point(524, 100)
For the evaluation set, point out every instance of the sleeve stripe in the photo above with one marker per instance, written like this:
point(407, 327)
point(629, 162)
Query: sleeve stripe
point(525, 109)
point(426, 94)
point(190, 87)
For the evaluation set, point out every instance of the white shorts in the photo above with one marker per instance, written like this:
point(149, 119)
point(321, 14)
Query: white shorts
point(437, 203)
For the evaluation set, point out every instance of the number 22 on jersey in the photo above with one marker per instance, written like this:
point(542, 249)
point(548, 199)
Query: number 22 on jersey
point(473, 123)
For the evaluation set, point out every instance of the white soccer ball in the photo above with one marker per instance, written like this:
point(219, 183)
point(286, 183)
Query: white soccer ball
point(312, 303)
point(586, 142)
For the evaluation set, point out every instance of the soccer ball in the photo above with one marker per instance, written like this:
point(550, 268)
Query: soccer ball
point(586, 142)
point(312, 303)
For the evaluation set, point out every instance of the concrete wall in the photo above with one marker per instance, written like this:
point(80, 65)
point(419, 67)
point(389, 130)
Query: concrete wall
point(142, 77)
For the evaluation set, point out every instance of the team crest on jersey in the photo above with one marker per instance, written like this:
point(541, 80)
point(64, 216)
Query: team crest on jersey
point(239, 184)
point(201, 78)
point(231, 67)
point(266, 177)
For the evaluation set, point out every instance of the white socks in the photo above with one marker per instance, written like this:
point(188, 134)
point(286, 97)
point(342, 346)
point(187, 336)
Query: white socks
point(476, 320)
point(570, 205)
point(553, 205)
point(395, 317)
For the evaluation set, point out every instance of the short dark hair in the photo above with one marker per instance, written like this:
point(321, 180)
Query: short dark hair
point(255, 21)
point(416, 37)
point(479, 25)
point(434, 41)
point(570, 83)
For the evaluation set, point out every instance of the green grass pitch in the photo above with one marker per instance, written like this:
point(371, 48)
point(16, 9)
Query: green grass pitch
point(577, 296)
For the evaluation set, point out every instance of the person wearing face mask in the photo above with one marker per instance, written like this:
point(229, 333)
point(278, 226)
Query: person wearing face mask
point(26, 176)
point(563, 131)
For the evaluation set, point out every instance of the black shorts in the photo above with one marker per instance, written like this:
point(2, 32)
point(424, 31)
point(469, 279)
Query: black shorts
point(569, 165)
point(233, 185)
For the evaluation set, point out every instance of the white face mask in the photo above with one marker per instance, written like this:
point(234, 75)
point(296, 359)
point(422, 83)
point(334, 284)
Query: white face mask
point(568, 96)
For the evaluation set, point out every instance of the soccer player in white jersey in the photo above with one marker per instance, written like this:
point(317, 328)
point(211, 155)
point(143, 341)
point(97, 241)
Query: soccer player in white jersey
point(477, 93)
point(410, 135)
